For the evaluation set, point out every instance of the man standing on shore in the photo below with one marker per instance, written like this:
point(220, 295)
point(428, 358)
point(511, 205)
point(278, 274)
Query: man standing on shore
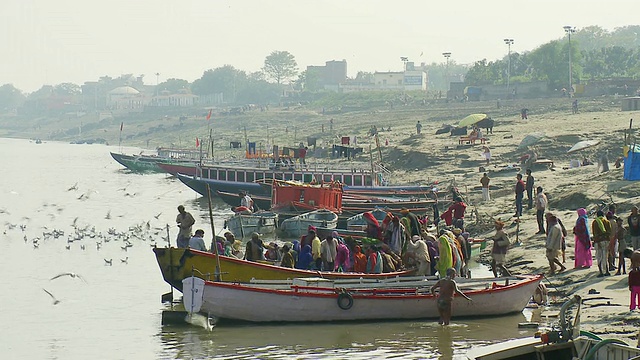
point(529, 186)
point(634, 227)
point(554, 244)
point(541, 205)
point(601, 231)
point(485, 187)
point(418, 127)
point(519, 195)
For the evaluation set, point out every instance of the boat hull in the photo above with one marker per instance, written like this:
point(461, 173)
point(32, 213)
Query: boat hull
point(320, 304)
point(177, 264)
point(138, 163)
point(297, 226)
point(241, 226)
point(199, 185)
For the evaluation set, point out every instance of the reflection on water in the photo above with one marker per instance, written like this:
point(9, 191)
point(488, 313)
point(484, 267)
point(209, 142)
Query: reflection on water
point(403, 339)
point(117, 313)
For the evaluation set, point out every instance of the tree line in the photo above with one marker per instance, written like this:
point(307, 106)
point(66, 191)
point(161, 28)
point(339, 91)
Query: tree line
point(595, 54)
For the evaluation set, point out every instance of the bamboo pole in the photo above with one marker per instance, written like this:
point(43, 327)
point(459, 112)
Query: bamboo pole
point(218, 275)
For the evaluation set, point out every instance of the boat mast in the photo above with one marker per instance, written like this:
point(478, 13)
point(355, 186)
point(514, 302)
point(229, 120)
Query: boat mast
point(218, 275)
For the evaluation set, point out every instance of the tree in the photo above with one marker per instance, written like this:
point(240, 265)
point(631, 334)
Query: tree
point(10, 97)
point(174, 85)
point(227, 80)
point(280, 66)
point(66, 89)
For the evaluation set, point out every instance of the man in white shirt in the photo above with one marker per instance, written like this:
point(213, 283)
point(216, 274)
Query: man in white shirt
point(246, 201)
point(541, 206)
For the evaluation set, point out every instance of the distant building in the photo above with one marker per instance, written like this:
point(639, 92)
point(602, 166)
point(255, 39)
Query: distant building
point(182, 99)
point(329, 76)
point(125, 99)
point(389, 80)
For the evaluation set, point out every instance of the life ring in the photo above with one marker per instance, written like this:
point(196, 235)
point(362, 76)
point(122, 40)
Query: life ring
point(345, 300)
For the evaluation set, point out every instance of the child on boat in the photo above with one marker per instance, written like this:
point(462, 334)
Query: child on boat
point(448, 288)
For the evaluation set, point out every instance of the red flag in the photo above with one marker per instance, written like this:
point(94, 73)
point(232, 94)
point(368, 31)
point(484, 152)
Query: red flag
point(197, 142)
point(121, 125)
point(209, 115)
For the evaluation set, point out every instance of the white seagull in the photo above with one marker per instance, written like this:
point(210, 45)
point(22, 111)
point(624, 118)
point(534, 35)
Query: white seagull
point(55, 301)
point(70, 274)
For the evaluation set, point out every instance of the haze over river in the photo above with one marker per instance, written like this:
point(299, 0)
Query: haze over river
point(116, 313)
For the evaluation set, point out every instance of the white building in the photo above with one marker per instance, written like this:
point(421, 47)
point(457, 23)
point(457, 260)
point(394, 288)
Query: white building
point(125, 98)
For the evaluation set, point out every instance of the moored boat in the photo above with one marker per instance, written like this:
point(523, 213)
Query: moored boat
point(297, 226)
point(177, 264)
point(150, 163)
point(321, 300)
point(564, 340)
point(242, 225)
point(248, 173)
point(359, 222)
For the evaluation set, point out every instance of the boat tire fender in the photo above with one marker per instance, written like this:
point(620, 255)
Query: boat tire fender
point(345, 300)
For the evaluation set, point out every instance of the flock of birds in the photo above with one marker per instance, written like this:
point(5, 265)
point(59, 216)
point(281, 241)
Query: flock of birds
point(84, 237)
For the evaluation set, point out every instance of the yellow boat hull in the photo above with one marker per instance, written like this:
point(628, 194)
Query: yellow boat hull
point(178, 263)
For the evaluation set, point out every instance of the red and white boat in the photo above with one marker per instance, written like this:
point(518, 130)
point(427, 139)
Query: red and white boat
point(317, 299)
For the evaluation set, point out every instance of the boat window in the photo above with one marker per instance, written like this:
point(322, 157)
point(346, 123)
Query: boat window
point(231, 175)
point(251, 176)
point(347, 180)
point(367, 180)
point(297, 177)
point(357, 180)
point(307, 177)
point(222, 175)
point(326, 177)
point(240, 176)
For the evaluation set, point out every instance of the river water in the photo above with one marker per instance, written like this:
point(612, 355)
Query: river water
point(114, 311)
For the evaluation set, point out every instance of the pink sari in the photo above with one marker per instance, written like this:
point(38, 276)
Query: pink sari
point(583, 257)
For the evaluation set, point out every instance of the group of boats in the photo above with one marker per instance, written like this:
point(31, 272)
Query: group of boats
point(288, 200)
point(228, 288)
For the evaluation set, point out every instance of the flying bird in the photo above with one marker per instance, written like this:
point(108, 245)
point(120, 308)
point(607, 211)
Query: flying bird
point(108, 262)
point(74, 187)
point(125, 260)
point(70, 274)
point(55, 301)
point(157, 216)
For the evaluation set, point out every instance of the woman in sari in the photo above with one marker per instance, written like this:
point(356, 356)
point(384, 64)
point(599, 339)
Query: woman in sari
point(445, 260)
point(455, 252)
point(582, 241)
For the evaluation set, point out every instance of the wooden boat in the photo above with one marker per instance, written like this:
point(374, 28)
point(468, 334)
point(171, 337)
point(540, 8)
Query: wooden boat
point(244, 173)
point(319, 299)
point(178, 263)
point(358, 222)
point(260, 192)
point(150, 163)
point(564, 341)
point(297, 226)
point(582, 347)
point(242, 225)
point(199, 185)
point(295, 198)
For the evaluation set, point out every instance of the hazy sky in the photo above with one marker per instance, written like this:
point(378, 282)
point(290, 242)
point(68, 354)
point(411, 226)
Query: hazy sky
point(55, 41)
